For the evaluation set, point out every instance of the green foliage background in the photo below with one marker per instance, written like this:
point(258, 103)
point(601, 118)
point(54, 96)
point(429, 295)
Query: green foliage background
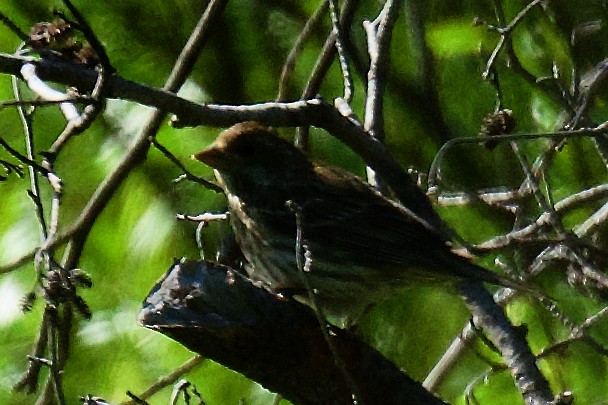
point(136, 237)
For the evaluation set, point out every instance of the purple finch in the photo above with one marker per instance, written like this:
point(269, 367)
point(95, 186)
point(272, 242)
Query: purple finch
point(362, 246)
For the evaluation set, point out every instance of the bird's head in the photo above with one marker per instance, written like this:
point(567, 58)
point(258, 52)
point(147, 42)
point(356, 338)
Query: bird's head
point(249, 148)
point(250, 154)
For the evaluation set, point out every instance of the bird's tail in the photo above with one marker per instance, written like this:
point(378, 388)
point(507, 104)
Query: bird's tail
point(477, 272)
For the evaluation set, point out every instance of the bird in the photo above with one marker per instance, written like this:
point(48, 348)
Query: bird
point(321, 233)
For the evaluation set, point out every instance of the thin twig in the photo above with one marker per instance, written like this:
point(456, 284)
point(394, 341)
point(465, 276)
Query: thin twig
point(304, 268)
point(13, 27)
point(379, 35)
point(513, 61)
point(342, 57)
point(56, 365)
point(140, 145)
point(504, 33)
point(288, 66)
point(23, 159)
point(541, 199)
point(168, 379)
point(449, 358)
point(29, 380)
point(186, 173)
point(323, 64)
point(91, 38)
point(80, 230)
point(593, 222)
point(435, 169)
point(42, 103)
point(206, 217)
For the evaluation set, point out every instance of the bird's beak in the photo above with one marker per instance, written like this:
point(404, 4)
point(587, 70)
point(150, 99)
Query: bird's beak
point(214, 157)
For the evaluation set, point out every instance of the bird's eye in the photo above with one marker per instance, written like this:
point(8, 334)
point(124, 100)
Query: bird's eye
point(245, 149)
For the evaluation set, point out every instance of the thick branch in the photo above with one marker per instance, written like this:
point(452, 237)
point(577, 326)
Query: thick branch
point(215, 312)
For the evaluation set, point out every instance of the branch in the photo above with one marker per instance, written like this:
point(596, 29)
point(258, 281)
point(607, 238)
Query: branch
point(379, 35)
point(509, 341)
point(216, 312)
point(313, 112)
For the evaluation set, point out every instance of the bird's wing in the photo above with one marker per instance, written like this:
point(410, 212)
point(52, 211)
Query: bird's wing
point(365, 230)
point(349, 215)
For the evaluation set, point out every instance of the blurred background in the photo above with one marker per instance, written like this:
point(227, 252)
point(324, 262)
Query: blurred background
point(435, 93)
